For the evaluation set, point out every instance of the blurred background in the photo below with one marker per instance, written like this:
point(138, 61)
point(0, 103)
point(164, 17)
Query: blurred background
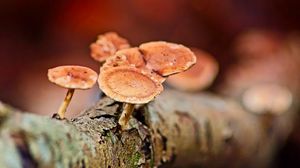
point(254, 41)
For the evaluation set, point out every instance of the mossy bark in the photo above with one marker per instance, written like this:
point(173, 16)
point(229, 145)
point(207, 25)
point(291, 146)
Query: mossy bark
point(176, 130)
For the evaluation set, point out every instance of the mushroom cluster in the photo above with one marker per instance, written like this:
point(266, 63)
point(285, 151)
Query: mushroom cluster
point(135, 75)
point(78, 77)
point(132, 75)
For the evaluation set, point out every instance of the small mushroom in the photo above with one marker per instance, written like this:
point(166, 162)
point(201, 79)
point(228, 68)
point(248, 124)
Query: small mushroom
point(267, 99)
point(107, 45)
point(167, 58)
point(198, 77)
point(130, 85)
point(71, 77)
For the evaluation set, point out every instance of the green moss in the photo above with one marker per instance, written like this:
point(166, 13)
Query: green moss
point(152, 162)
point(134, 160)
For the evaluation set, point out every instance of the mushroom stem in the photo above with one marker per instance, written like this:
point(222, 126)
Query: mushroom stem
point(126, 113)
point(63, 107)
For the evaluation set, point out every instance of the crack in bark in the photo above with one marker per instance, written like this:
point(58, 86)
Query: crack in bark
point(208, 134)
point(19, 139)
point(196, 125)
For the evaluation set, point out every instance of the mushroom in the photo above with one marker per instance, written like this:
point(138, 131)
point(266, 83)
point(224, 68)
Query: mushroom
point(267, 98)
point(135, 75)
point(198, 77)
point(167, 58)
point(130, 57)
point(107, 45)
point(130, 85)
point(71, 77)
point(133, 55)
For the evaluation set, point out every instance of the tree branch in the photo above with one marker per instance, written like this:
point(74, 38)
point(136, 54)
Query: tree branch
point(176, 130)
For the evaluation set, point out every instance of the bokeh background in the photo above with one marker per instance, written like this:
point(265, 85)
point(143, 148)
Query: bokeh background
point(253, 40)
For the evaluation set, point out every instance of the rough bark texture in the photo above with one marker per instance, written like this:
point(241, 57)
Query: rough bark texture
point(176, 130)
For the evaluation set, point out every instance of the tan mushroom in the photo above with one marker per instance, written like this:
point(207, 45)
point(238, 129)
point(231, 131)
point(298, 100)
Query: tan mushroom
point(167, 58)
point(71, 77)
point(107, 45)
point(198, 77)
point(267, 98)
point(133, 55)
point(130, 57)
point(130, 85)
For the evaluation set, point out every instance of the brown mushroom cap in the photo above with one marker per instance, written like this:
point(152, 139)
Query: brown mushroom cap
point(129, 84)
point(73, 77)
point(130, 57)
point(198, 77)
point(167, 58)
point(126, 57)
point(106, 45)
point(154, 75)
point(133, 55)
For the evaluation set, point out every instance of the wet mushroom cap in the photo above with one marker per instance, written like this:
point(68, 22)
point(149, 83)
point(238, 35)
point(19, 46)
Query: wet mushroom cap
point(198, 77)
point(129, 84)
point(106, 45)
point(73, 77)
point(167, 58)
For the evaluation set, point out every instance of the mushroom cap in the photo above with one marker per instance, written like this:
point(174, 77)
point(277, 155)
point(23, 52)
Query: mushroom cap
point(130, 57)
point(267, 98)
point(72, 77)
point(167, 58)
point(126, 57)
point(133, 55)
point(154, 75)
point(129, 84)
point(198, 77)
point(106, 45)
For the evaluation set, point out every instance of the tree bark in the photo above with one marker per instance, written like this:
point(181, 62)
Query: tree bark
point(175, 130)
